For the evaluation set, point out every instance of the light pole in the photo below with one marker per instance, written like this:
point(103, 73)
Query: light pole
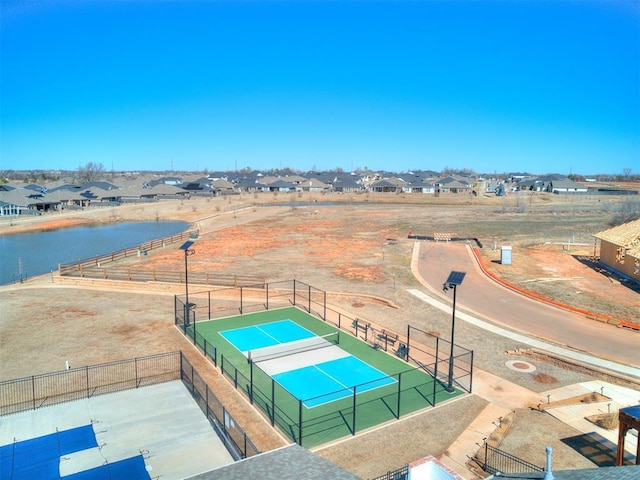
point(187, 308)
point(455, 279)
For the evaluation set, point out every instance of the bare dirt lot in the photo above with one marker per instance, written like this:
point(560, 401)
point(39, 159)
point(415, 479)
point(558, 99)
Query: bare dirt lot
point(356, 247)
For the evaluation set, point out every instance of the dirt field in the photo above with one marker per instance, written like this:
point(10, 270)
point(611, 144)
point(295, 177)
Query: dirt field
point(358, 247)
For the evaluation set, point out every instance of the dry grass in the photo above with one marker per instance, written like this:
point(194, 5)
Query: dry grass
point(608, 421)
point(339, 248)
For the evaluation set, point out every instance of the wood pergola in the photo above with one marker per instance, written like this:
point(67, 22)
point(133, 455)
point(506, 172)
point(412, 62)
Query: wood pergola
point(628, 418)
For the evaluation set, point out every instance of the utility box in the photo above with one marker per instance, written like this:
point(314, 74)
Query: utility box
point(505, 256)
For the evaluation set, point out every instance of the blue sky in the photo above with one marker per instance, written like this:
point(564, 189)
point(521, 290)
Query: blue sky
point(503, 86)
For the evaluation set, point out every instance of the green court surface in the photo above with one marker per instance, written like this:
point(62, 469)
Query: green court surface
point(412, 390)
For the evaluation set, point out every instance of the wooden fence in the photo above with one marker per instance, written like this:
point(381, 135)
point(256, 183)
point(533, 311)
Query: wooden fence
point(152, 275)
point(142, 249)
point(95, 268)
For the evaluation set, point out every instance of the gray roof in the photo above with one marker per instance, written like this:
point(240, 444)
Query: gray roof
point(288, 463)
point(627, 472)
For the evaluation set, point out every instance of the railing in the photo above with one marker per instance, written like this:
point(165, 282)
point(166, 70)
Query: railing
point(78, 267)
point(235, 438)
point(168, 276)
point(31, 393)
point(498, 461)
point(401, 473)
point(294, 421)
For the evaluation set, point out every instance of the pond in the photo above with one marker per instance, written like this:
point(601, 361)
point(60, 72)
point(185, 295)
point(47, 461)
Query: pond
point(29, 254)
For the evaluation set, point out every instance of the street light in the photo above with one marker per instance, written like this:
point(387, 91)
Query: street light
point(455, 279)
point(188, 251)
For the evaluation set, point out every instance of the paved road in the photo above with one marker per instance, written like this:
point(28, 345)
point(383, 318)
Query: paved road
point(485, 298)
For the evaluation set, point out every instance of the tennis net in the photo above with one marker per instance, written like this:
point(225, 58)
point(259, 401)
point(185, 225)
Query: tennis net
point(292, 348)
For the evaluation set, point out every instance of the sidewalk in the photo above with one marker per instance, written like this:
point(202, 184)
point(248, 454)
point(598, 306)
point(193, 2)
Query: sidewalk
point(504, 396)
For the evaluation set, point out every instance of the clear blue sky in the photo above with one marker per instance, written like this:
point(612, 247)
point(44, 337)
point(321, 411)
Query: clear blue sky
point(538, 86)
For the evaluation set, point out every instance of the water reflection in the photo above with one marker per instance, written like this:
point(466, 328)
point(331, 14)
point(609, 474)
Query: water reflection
point(28, 254)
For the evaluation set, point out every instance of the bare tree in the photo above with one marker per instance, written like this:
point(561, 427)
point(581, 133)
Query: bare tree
point(626, 171)
point(90, 172)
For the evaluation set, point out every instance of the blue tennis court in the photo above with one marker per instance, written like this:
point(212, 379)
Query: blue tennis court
point(40, 458)
point(266, 335)
point(315, 379)
point(328, 381)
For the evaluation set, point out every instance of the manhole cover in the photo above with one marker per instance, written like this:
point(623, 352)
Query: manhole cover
point(520, 366)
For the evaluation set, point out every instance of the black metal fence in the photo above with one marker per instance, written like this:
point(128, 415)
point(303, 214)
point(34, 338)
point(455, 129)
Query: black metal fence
point(30, 393)
point(37, 391)
point(401, 473)
point(495, 460)
point(422, 349)
point(234, 437)
point(262, 391)
point(78, 268)
point(432, 353)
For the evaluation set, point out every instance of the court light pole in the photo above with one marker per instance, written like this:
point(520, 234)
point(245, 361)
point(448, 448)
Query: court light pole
point(453, 281)
point(187, 308)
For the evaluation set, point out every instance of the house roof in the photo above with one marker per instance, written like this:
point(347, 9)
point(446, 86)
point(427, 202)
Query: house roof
point(626, 235)
point(288, 463)
point(626, 472)
point(567, 183)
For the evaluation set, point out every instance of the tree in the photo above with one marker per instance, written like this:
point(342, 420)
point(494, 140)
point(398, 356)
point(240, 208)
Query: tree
point(626, 171)
point(90, 172)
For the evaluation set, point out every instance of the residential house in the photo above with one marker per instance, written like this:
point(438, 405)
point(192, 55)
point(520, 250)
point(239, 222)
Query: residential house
point(453, 184)
point(566, 186)
point(420, 185)
point(620, 248)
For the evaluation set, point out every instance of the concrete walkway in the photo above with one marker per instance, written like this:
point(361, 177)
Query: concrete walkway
point(504, 396)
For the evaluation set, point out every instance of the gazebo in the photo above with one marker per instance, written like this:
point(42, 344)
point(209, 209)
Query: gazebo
point(628, 418)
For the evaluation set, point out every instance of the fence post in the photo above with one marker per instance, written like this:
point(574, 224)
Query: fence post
point(299, 419)
point(486, 448)
point(294, 292)
point(273, 402)
point(408, 342)
point(206, 399)
point(309, 299)
point(354, 410)
point(86, 369)
point(471, 374)
point(399, 390)
point(209, 302)
point(437, 360)
point(33, 390)
point(325, 305)
point(241, 300)
point(250, 382)
point(135, 365)
point(435, 383)
point(224, 420)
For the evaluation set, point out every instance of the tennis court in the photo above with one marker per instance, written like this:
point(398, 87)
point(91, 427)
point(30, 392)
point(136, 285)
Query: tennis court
point(310, 367)
point(134, 434)
point(313, 381)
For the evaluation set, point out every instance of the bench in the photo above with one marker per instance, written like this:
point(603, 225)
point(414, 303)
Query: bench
point(388, 337)
point(360, 325)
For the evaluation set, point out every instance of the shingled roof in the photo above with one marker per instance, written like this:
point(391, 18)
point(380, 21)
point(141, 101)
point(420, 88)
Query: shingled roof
point(626, 235)
point(287, 463)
